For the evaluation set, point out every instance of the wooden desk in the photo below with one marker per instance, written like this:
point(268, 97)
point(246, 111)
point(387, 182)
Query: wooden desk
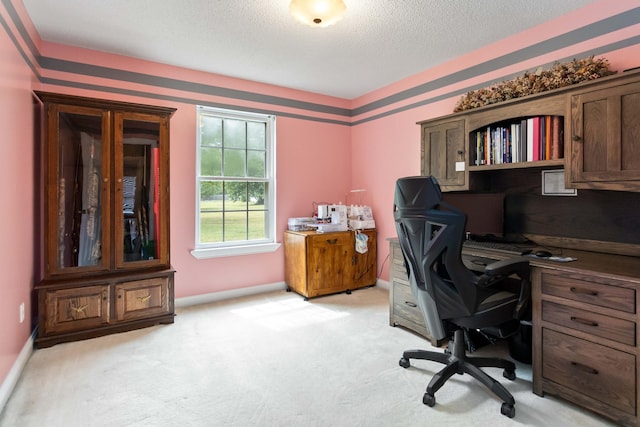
point(585, 328)
point(585, 317)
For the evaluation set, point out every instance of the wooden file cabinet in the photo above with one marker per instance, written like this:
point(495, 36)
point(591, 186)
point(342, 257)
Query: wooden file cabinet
point(585, 341)
point(325, 263)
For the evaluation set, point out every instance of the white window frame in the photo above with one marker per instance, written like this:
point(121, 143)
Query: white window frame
point(242, 247)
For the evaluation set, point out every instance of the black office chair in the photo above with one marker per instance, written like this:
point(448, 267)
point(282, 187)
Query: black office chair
point(453, 298)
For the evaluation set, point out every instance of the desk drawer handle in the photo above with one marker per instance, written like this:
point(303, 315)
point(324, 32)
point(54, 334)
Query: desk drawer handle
point(585, 368)
point(584, 321)
point(332, 241)
point(584, 291)
point(410, 304)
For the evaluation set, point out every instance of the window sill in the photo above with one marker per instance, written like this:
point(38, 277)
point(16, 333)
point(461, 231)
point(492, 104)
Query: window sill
point(235, 250)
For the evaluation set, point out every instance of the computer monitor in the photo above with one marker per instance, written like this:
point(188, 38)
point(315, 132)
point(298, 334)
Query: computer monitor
point(485, 211)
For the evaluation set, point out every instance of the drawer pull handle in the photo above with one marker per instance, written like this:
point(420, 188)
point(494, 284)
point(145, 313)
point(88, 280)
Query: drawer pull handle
point(584, 291)
point(584, 321)
point(332, 241)
point(144, 299)
point(80, 309)
point(410, 304)
point(585, 368)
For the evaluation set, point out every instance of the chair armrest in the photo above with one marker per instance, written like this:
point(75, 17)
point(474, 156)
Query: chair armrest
point(519, 266)
point(496, 271)
point(507, 267)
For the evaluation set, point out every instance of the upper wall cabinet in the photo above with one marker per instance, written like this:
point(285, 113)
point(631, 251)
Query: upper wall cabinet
point(105, 217)
point(605, 137)
point(591, 129)
point(443, 152)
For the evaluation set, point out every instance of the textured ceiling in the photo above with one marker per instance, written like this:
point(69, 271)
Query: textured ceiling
point(377, 43)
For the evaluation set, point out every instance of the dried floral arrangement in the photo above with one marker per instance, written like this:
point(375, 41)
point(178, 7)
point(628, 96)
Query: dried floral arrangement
point(561, 75)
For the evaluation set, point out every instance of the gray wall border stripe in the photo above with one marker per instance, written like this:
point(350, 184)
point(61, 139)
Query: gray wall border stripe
point(459, 92)
point(183, 100)
point(613, 23)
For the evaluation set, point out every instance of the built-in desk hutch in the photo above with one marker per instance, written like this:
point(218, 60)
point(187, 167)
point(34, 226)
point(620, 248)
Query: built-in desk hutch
point(585, 312)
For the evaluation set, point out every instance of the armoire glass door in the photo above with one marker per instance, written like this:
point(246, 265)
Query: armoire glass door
point(80, 202)
point(138, 204)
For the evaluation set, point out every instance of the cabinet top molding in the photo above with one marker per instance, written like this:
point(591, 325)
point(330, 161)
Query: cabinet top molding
point(82, 101)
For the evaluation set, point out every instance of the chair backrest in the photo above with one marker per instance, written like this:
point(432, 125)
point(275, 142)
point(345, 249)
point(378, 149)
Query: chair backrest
point(430, 234)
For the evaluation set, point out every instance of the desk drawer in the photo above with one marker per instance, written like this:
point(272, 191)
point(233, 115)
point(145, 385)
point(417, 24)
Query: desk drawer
point(620, 330)
point(400, 271)
point(405, 306)
point(591, 369)
point(603, 295)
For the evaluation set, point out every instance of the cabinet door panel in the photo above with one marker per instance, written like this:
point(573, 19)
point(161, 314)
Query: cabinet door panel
point(77, 308)
point(140, 190)
point(142, 298)
point(329, 263)
point(443, 146)
point(604, 134)
point(77, 205)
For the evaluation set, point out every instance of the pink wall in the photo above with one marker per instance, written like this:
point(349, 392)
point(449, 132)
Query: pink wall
point(17, 214)
point(320, 155)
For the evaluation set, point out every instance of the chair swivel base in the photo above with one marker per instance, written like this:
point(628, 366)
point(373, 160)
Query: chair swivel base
point(457, 362)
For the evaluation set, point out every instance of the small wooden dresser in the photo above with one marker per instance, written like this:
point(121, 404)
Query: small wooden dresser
point(326, 263)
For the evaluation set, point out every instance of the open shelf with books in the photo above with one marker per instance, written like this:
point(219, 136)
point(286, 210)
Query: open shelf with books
point(518, 142)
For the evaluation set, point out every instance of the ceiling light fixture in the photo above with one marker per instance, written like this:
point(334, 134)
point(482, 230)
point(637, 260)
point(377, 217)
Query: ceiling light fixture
point(317, 13)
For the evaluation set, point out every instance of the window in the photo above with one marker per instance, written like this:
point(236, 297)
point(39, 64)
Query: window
point(235, 183)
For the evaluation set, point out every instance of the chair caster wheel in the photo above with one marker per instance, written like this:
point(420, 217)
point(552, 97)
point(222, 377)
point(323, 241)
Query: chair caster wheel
point(508, 374)
point(429, 399)
point(404, 362)
point(508, 410)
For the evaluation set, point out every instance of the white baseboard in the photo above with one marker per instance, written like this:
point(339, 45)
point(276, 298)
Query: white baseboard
point(243, 292)
point(13, 376)
point(383, 284)
point(232, 293)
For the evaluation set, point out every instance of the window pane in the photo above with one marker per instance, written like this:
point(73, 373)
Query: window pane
point(257, 225)
point(256, 164)
point(211, 196)
point(235, 226)
point(235, 135)
point(211, 161)
point(210, 131)
point(256, 135)
point(210, 227)
point(257, 194)
point(234, 163)
point(235, 195)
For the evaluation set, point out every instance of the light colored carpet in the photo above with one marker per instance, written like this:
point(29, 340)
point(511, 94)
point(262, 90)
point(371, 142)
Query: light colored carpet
point(266, 360)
